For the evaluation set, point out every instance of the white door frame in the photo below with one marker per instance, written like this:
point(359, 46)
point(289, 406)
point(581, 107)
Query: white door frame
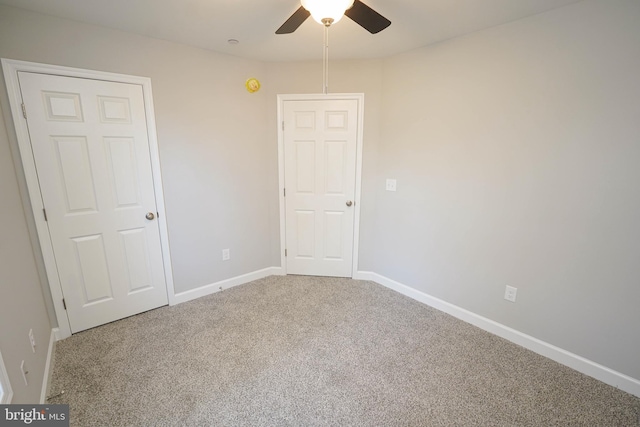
point(359, 97)
point(11, 68)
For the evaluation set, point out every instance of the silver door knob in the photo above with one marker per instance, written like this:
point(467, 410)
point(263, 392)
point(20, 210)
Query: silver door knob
point(150, 216)
point(349, 203)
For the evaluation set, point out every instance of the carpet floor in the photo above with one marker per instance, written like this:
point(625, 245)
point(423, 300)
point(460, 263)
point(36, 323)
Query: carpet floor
point(311, 351)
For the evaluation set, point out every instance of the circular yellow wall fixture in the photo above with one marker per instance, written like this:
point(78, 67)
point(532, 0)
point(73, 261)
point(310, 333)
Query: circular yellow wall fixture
point(253, 85)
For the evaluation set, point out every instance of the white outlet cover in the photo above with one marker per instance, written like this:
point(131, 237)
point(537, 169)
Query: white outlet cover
point(391, 184)
point(24, 373)
point(510, 293)
point(226, 254)
point(32, 340)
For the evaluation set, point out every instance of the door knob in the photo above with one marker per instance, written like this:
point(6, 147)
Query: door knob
point(349, 203)
point(150, 216)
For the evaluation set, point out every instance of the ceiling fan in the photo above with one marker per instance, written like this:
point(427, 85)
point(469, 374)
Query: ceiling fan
point(328, 12)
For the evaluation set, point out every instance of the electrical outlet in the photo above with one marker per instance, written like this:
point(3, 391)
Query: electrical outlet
point(510, 293)
point(226, 255)
point(24, 371)
point(391, 184)
point(32, 340)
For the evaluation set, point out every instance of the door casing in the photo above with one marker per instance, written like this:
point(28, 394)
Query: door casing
point(11, 69)
point(359, 97)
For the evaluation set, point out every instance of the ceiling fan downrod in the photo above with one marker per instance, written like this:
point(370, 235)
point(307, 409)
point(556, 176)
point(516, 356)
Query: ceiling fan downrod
point(325, 57)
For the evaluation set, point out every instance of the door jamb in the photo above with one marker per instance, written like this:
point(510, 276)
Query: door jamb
point(359, 97)
point(11, 68)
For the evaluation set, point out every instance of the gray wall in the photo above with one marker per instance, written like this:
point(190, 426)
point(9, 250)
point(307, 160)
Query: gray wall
point(21, 304)
point(517, 155)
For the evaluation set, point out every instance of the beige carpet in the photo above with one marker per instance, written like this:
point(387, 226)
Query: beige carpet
point(309, 351)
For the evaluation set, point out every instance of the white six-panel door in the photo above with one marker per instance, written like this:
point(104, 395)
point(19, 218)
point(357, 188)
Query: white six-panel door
point(320, 141)
point(90, 145)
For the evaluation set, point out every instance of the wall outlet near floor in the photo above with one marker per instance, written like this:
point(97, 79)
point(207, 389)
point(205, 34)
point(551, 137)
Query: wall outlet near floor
point(510, 293)
point(32, 340)
point(24, 371)
point(391, 184)
point(226, 255)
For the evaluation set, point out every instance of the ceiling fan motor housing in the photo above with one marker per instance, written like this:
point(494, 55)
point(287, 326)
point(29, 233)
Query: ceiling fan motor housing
point(327, 12)
point(324, 10)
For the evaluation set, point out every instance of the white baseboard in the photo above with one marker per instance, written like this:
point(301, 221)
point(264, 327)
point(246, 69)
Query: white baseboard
point(48, 367)
point(579, 363)
point(224, 284)
point(60, 334)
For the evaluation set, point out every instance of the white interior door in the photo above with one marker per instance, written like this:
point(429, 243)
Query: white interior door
point(320, 142)
point(91, 151)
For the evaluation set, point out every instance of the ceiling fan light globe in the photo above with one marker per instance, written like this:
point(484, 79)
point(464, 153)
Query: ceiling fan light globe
point(327, 9)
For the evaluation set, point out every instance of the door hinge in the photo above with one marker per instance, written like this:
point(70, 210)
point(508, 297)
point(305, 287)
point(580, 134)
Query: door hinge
point(24, 111)
point(44, 211)
point(285, 192)
point(285, 252)
point(64, 303)
point(282, 122)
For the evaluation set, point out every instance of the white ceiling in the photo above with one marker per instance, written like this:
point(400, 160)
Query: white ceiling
point(210, 23)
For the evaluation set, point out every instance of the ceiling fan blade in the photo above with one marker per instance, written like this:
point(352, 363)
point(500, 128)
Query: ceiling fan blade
point(294, 21)
point(367, 18)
